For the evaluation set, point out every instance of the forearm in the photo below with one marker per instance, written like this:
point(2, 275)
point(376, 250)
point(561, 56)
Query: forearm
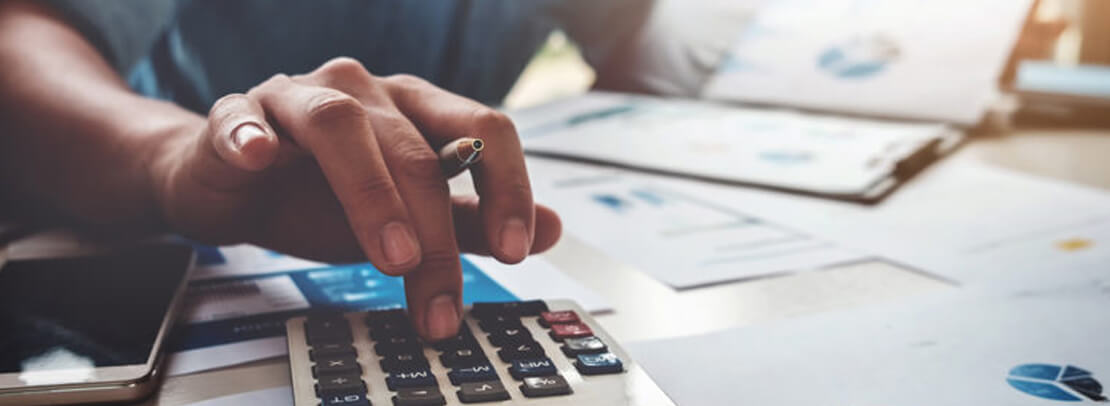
point(74, 140)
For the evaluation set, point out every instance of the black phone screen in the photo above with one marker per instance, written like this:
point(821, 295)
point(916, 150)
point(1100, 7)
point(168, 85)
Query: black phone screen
point(88, 311)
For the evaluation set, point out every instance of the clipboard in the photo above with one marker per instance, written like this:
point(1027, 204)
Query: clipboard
point(850, 159)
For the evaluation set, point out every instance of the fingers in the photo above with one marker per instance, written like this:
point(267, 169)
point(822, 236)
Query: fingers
point(506, 207)
point(239, 144)
point(433, 289)
point(469, 228)
point(335, 128)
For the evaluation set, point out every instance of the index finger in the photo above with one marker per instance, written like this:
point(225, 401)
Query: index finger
point(334, 127)
point(501, 178)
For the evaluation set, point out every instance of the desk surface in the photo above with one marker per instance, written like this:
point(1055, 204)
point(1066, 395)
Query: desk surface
point(1073, 155)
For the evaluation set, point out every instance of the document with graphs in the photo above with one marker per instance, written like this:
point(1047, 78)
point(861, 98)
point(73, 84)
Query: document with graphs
point(837, 157)
point(1037, 346)
point(934, 60)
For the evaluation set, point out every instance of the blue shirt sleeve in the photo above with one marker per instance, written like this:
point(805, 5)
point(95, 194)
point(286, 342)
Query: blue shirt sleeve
point(122, 30)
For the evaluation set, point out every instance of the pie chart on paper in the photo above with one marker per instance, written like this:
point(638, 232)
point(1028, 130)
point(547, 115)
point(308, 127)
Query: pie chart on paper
point(1053, 382)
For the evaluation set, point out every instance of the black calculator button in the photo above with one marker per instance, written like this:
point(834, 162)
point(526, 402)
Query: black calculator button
point(374, 317)
point(332, 350)
point(340, 385)
point(353, 399)
point(474, 373)
point(410, 379)
point(532, 367)
point(463, 340)
point(598, 364)
point(498, 322)
point(405, 361)
point(426, 396)
point(336, 366)
point(585, 345)
point(487, 391)
point(484, 310)
point(509, 336)
point(463, 357)
point(387, 330)
point(527, 350)
point(327, 330)
point(398, 345)
point(551, 385)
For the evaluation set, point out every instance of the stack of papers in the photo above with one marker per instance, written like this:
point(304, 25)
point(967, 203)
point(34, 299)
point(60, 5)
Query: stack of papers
point(965, 347)
point(830, 156)
point(936, 60)
point(685, 238)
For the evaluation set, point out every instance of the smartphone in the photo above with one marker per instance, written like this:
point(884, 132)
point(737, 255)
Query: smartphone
point(88, 328)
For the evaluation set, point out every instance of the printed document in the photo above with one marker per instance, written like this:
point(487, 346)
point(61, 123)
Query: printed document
point(935, 60)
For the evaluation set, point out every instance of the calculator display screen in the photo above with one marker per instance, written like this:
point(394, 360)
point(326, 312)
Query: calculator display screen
point(80, 313)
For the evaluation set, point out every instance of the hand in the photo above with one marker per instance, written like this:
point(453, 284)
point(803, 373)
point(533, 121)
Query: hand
point(340, 165)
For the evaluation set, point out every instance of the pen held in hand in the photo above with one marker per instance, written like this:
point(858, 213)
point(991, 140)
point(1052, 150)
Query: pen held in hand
point(460, 154)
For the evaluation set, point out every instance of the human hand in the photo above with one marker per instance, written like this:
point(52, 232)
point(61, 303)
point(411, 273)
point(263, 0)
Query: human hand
point(340, 165)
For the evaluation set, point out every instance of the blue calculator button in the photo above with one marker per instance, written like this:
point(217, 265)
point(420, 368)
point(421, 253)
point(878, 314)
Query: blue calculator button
point(477, 373)
point(597, 364)
point(410, 379)
point(532, 367)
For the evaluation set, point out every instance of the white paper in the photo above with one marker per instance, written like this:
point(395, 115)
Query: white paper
point(952, 349)
point(685, 239)
point(934, 60)
point(537, 279)
point(964, 221)
point(282, 396)
point(782, 149)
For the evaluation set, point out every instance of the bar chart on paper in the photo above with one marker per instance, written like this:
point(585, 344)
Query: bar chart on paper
point(682, 239)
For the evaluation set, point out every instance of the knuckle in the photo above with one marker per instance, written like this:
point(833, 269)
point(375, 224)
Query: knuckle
point(489, 121)
point(439, 258)
point(228, 106)
point(372, 191)
point(277, 81)
point(406, 81)
point(344, 68)
point(332, 106)
point(418, 161)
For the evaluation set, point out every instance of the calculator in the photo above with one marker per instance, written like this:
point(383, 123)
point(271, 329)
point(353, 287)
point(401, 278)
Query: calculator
point(506, 353)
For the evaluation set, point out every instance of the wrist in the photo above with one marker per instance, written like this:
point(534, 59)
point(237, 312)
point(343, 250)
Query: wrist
point(163, 148)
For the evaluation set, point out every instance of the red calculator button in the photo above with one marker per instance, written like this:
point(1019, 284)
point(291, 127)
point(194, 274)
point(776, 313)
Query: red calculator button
point(547, 319)
point(573, 330)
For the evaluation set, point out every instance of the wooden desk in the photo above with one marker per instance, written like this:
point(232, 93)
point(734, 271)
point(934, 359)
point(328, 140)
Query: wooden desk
point(646, 309)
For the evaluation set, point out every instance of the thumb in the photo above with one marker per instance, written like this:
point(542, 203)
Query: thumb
point(237, 146)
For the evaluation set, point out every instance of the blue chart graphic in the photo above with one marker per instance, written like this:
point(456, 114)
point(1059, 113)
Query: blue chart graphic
point(1055, 382)
point(859, 58)
point(340, 288)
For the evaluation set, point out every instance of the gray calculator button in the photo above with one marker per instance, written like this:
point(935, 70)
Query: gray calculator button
point(488, 391)
point(552, 385)
point(584, 345)
point(426, 396)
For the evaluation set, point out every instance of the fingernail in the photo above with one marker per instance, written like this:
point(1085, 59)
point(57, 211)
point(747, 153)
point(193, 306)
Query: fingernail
point(515, 241)
point(442, 318)
point(245, 134)
point(398, 244)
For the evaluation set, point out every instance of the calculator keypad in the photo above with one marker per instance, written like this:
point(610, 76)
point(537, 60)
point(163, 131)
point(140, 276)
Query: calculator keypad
point(480, 364)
